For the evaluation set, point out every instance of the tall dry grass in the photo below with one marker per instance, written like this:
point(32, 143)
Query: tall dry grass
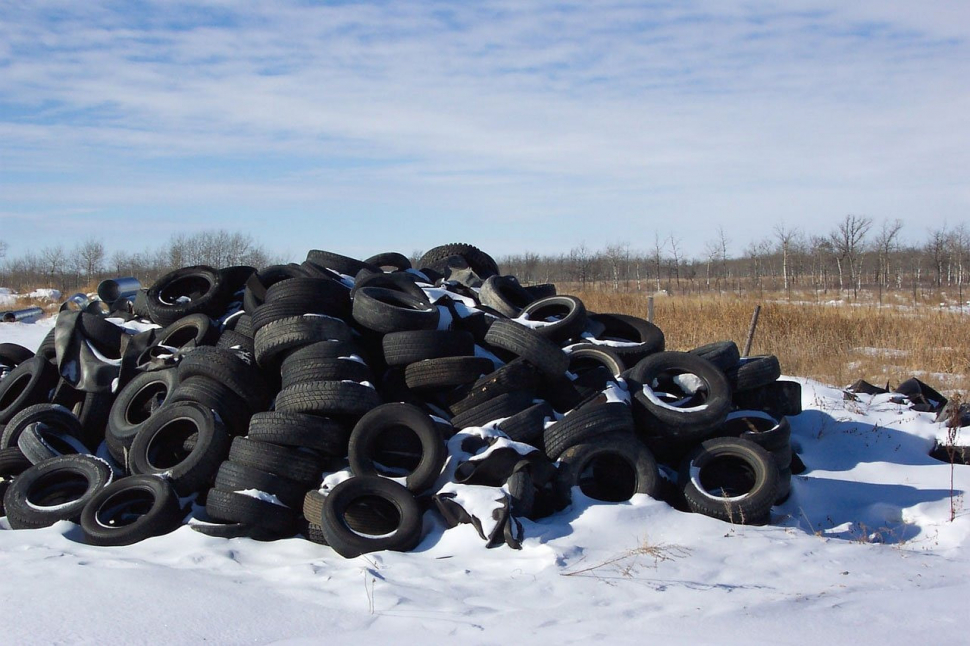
point(836, 344)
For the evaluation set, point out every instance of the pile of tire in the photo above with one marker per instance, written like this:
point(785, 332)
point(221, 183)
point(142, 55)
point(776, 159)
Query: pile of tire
point(317, 399)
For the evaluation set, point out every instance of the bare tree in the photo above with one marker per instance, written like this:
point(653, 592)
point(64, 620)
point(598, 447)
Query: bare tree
point(886, 243)
point(582, 262)
point(675, 256)
point(936, 250)
point(786, 236)
point(91, 254)
point(847, 239)
point(53, 258)
point(658, 249)
point(616, 254)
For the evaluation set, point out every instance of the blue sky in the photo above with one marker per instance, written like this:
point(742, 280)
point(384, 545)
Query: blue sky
point(365, 127)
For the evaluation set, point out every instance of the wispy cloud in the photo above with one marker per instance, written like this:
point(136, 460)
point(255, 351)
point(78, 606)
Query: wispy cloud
point(552, 119)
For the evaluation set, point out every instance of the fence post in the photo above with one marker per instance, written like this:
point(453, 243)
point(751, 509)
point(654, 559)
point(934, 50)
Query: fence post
point(650, 309)
point(751, 329)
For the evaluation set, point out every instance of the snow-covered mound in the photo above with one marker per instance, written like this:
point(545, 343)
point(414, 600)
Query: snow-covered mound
point(870, 549)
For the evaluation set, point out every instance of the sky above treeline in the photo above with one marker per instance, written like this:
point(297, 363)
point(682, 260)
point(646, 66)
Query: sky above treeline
point(374, 126)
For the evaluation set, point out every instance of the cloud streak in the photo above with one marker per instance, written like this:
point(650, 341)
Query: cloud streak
point(541, 116)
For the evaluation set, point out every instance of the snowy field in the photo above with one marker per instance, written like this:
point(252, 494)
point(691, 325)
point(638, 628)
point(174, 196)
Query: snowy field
point(863, 552)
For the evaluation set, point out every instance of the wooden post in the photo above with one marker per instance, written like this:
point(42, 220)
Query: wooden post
point(650, 309)
point(754, 325)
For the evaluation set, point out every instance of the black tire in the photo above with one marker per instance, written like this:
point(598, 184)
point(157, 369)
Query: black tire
point(399, 281)
point(612, 468)
point(761, 428)
point(91, 409)
point(239, 477)
point(13, 462)
point(706, 408)
point(341, 264)
point(516, 376)
point(398, 261)
point(12, 355)
point(283, 461)
point(403, 528)
point(263, 279)
point(275, 339)
point(480, 262)
point(233, 369)
point(504, 405)
point(189, 290)
point(784, 486)
point(130, 510)
point(304, 295)
point(585, 425)
point(188, 332)
point(505, 295)
point(421, 460)
point(522, 494)
point(159, 448)
point(232, 340)
point(731, 479)
point(139, 307)
point(756, 372)
point(55, 490)
point(403, 348)
point(331, 349)
point(235, 277)
point(646, 337)
point(779, 399)
point(527, 426)
point(312, 507)
point(568, 311)
point(56, 418)
point(528, 344)
point(385, 310)
point(314, 533)
point(135, 404)
point(240, 508)
point(29, 383)
point(585, 356)
point(328, 398)
point(298, 430)
point(447, 372)
point(40, 442)
point(232, 409)
point(326, 370)
point(723, 354)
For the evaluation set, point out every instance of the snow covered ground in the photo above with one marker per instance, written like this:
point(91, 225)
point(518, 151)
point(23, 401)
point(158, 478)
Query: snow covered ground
point(864, 552)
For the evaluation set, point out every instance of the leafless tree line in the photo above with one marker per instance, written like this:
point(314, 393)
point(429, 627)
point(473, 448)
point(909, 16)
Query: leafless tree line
point(87, 263)
point(857, 254)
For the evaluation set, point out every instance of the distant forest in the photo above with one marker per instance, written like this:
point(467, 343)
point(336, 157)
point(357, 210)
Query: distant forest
point(858, 254)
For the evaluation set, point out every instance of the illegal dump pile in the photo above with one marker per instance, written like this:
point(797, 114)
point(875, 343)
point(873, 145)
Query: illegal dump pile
point(343, 399)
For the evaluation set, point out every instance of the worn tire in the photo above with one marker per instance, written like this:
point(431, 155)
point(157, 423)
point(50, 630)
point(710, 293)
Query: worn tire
point(29, 383)
point(612, 468)
point(299, 430)
point(528, 344)
point(130, 510)
point(205, 289)
point(402, 536)
point(328, 398)
point(585, 425)
point(58, 489)
point(739, 468)
point(366, 451)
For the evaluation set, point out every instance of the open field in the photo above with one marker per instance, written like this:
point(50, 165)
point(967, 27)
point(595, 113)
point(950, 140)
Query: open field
point(833, 343)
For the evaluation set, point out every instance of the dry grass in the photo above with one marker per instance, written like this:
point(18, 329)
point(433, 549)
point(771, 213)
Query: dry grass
point(834, 344)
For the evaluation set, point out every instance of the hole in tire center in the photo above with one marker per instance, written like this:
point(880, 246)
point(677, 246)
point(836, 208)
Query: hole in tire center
point(190, 287)
point(57, 488)
point(727, 477)
point(179, 338)
point(14, 391)
point(396, 451)
point(608, 477)
point(145, 402)
point(125, 507)
point(168, 447)
point(372, 516)
point(680, 388)
point(57, 440)
point(550, 313)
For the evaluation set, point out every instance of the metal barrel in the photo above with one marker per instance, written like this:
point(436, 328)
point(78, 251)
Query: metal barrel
point(25, 314)
point(75, 303)
point(112, 289)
